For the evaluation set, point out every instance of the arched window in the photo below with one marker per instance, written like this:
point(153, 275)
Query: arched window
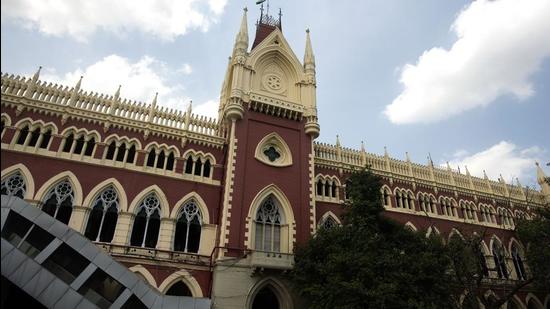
point(329, 223)
point(14, 185)
point(170, 162)
point(59, 201)
point(518, 263)
point(23, 135)
point(179, 289)
point(188, 228)
point(46, 139)
point(103, 216)
point(386, 197)
point(189, 165)
point(131, 154)
point(151, 158)
point(111, 151)
point(500, 262)
point(319, 187)
point(160, 160)
point(34, 137)
point(147, 223)
point(68, 143)
point(268, 226)
point(198, 167)
point(206, 169)
point(121, 153)
point(265, 299)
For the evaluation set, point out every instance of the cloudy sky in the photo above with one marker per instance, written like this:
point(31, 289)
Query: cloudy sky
point(467, 82)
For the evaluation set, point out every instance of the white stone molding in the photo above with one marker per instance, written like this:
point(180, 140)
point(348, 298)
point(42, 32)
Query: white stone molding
point(29, 180)
point(188, 280)
point(287, 241)
point(279, 145)
point(145, 273)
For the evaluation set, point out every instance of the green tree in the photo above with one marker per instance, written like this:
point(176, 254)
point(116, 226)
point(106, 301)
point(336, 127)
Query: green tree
point(371, 261)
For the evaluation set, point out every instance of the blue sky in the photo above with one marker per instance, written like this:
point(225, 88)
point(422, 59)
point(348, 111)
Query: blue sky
point(466, 82)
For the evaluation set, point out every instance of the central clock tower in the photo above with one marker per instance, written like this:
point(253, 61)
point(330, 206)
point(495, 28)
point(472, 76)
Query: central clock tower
point(268, 104)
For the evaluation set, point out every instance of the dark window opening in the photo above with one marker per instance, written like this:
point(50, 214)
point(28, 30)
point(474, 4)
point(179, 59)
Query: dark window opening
point(139, 228)
point(90, 147)
point(198, 167)
point(170, 162)
point(101, 289)
point(206, 170)
point(319, 188)
point(15, 228)
point(94, 221)
point(66, 263)
point(23, 135)
point(151, 158)
point(272, 154)
point(61, 212)
point(111, 151)
point(79, 145)
point(3, 126)
point(131, 154)
point(179, 289)
point(68, 143)
point(187, 233)
point(333, 190)
point(46, 139)
point(34, 137)
point(153, 230)
point(327, 189)
point(189, 165)
point(160, 159)
point(121, 153)
point(265, 299)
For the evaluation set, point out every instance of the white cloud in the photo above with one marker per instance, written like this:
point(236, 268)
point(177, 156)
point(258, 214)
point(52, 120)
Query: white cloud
point(209, 109)
point(186, 69)
point(79, 19)
point(500, 45)
point(503, 158)
point(140, 81)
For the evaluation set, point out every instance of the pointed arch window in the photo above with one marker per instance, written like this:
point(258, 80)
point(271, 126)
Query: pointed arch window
point(23, 135)
point(188, 228)
point(35, 134)
point(268, 226)
point(59, 201)
point(518, 263)
point(329, 223)
point(14, 185)
point(500, 262)
point(386, 197)
point(103, 216)
point(147, 223)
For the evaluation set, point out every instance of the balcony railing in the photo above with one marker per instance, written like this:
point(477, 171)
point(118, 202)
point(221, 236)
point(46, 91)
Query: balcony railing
point(272, 260)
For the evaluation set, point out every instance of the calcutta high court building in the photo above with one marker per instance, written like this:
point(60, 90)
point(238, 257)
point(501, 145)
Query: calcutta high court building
point(108, 202)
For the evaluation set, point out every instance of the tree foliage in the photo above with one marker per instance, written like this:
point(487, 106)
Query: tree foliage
point(371, 261)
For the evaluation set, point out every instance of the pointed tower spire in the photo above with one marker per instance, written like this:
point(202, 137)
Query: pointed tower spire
point(36, 75)
point(485, 175)
point(309, 58)
point(154, 99)
point(407, 156)
point(337, 140)
point(362, 146)
point(117, 93)
point(467, 171)
point(540, 174)
point(77, 87)
point(241, 41)
point(190, 107)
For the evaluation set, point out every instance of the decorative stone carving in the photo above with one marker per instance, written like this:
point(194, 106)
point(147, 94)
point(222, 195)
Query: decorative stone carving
point(273, 80)
point(272, 150)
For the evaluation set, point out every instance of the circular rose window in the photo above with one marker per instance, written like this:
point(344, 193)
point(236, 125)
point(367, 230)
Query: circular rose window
point(273, 82)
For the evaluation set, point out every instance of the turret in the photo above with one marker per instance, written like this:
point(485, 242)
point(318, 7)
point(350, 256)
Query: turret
point(241, 41)
point(543, 181)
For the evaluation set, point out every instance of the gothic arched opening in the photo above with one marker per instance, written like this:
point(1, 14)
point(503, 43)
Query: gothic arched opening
point(179, 289)
point(266, 299)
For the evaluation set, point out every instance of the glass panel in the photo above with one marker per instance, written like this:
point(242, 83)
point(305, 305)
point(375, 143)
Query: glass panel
point(101, 289)
point(66, 263)
point(15, 228)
